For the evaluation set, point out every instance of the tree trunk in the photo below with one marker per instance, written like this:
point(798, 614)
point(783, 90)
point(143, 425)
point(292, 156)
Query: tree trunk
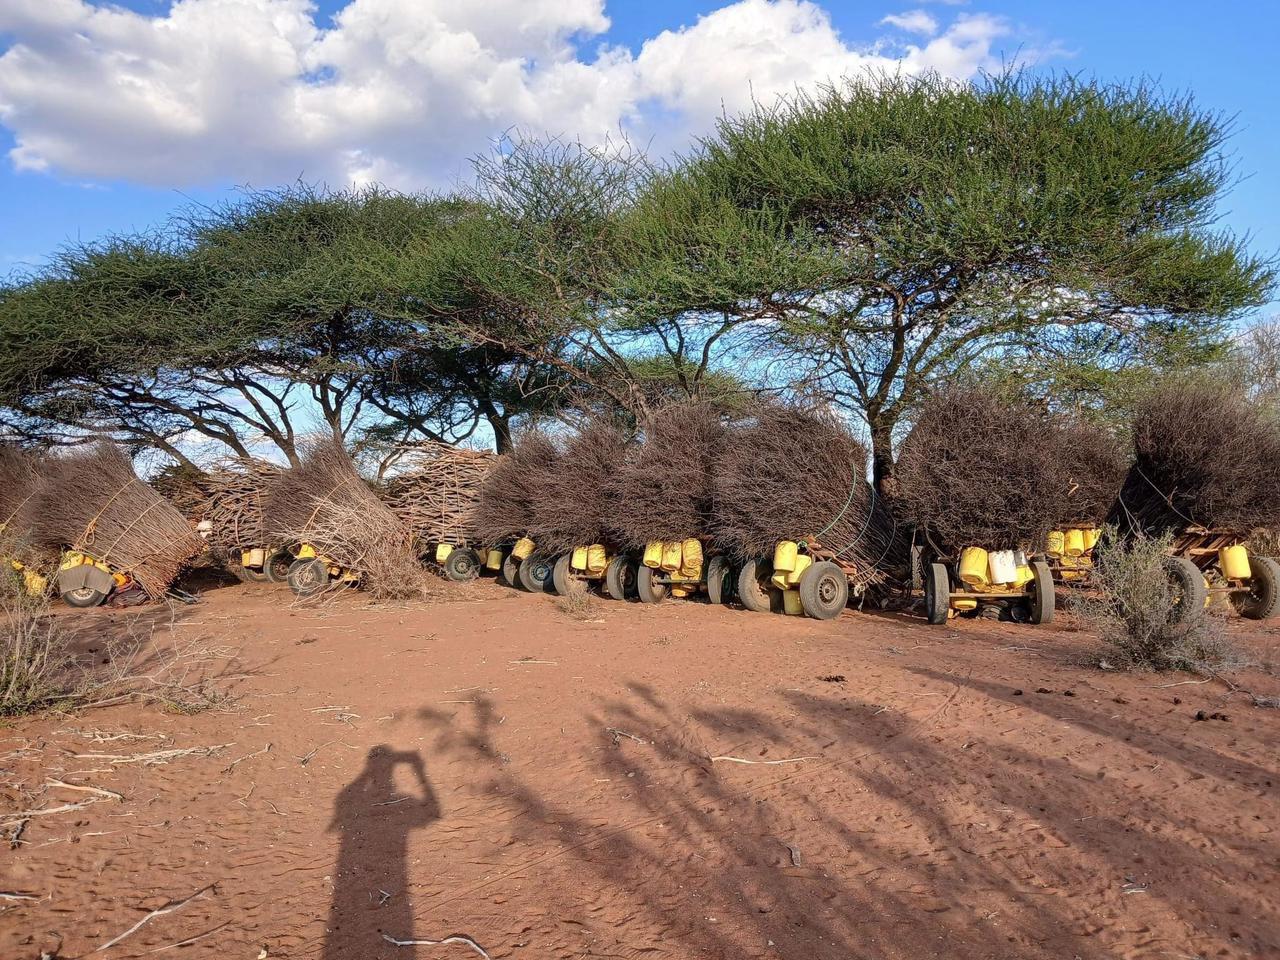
point(882, 453)
point(501, 426)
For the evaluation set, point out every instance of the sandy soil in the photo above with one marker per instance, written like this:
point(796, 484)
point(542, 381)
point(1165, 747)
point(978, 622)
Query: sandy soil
point(491, 768)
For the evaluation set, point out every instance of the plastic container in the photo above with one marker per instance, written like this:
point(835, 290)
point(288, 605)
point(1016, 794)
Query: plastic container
point(653, 554)
point(973, 566)
point(253, 558)
point(1001, 566)
point(1234, 562)
point(442, 551)
point(964, 603)
point(1055, 543)
point(691, 559)
point(803, 563)
point(672, 555)
point(784, 556)
point(1091, 537)
point(493, 560)
point(597, 558)
point(791, 604)
point(1074, 544)
point(523, 547)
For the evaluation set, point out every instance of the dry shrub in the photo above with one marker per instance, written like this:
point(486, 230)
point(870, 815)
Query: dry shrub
point(435, 492)
point(504, 508)
point(1204, 454)
point(793, 473)
point(979, 469)
point(324, 502)
point(578, 603)
point(235, 491)
point(1134, 609)
point(665, 489)
point(36, 665)
point(93, 501)
point(571, 505)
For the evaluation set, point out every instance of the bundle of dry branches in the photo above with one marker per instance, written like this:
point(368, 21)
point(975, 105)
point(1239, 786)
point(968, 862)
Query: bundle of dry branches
point(233, 505)
point(436, 492)
point(504, 509)
point(664, 490)
point(183, 485)
point(20, 478)
point(94, 502)
point(1205, 455)
point(797, 474)
point(571, 504)
point(324, 502)
point(980, 469)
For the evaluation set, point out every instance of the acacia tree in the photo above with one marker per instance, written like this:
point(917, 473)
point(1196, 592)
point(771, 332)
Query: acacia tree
point(932, 224)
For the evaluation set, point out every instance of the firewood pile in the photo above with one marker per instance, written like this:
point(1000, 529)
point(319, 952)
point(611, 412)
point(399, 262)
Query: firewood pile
point(233, 504)
point(92, 501)
point(435, 492)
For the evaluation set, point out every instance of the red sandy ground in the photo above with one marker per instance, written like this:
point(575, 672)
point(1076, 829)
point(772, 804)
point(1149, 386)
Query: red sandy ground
point(489, 767)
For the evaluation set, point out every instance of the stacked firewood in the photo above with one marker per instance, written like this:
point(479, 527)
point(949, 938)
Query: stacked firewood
point(436, 489)
point(233, 505)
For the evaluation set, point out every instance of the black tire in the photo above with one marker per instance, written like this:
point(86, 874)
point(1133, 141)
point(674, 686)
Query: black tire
point(84, 597)
point(755, 591)
point(462, 564)
point(510, 572)
point(535, 573)
point(1042, 596)
point(1262, 602)
point(824, 590)
point(720, 579)
point(308, 577)
point(562, 575)
point(1189, 590)
point(620, 578)
point(647, 589)
point(276, 569)
point(251, 574)
point(937, 593)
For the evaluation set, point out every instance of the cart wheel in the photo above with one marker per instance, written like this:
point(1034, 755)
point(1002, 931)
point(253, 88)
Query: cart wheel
point(1189, 590)
point(276, 569)
point(84, 597)
point(535, 573)
point(1042, 599)
point(251, 574)
point(620, 579)
point(647, 589)
point(462, 564)
point(561, 575)
point(308, 577)
point(1262, 602)
point(510, 572)
point(754, 589)
point(824, 590)
point(937, 593)
point(720, 579)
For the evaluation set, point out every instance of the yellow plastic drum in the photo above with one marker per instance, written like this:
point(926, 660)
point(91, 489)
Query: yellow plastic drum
point(691, 559)
point(442, 551)
point(597, 558)
point(653, 554)
point(973, 566)
point(1091, 538)
point(784, 556)
point(1055, 543)
point(578, 559)
point(253, 558)
point(791, 604)
point(1075, 543)
point(964, 603)
point(672, 555)
point(803, 563)
point(493, 560)
point(523, 547)
point(1234, 562)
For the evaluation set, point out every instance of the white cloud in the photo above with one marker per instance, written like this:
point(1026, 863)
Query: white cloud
point(399, 91)
point(913, 21)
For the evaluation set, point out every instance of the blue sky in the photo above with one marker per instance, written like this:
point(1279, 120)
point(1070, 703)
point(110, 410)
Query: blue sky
point(1223, 53)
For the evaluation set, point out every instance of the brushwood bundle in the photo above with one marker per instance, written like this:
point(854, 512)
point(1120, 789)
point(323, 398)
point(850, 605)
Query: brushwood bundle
point(797, 474)
point(978, 469)
point(571, 505)
point(504, 508)
point(233, 505)
point(664, 490)
point(1204, 455)
point(185, 486)
point(92, 501)
point(20, 478)
point(435, 492)
point(324, 502)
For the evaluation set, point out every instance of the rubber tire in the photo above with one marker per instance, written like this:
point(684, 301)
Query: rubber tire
point(1263, 600)
point(276, 569)
point(510, 572)
point(535, 573)
point(754, 590)
point(620, 579)
point(84, 598)
point(720, 579)
point(250, 575)
point(937, 593)
point(308, 577)
point(562, 575)
point(824, 590)
point(462, 565)
point(1190, 592)
point(646, 589)
point(1043, 597)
